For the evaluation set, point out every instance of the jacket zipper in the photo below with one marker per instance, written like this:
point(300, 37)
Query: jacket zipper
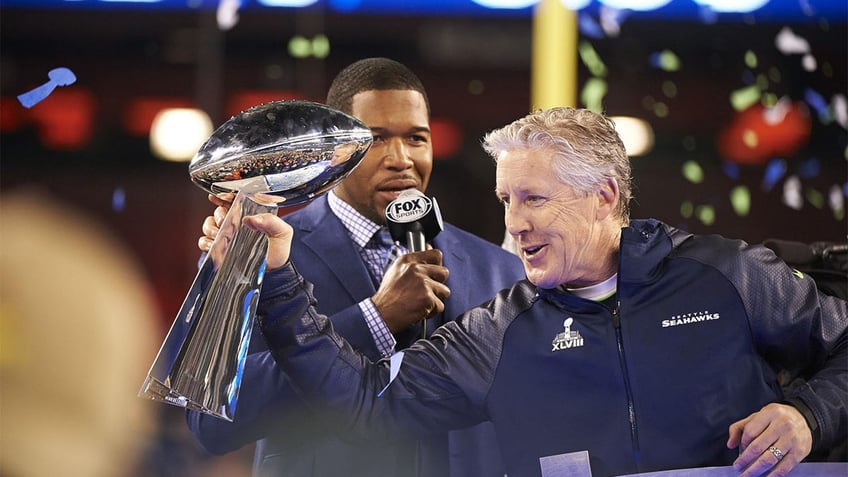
point(631, 412)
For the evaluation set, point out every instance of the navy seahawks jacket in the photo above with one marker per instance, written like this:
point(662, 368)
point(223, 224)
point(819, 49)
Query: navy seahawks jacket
point(700, 329)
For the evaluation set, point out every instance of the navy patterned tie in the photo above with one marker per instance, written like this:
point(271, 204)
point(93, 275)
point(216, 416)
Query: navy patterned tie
point(382, 253)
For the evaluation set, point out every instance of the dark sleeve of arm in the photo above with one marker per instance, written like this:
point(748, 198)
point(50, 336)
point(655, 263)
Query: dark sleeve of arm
point(326, 369)
point(803, 331)
point(263, 401)
point(350, 323)
point(823, 395)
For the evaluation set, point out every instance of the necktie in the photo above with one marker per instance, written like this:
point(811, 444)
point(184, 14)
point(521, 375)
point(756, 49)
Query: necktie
point(392, 255)
point(381, 252)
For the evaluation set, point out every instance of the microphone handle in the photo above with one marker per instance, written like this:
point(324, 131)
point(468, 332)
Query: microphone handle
point(415, 241)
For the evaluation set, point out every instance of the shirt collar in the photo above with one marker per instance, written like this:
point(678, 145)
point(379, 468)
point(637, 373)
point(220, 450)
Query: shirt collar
point(360, 228)
point(597, 292)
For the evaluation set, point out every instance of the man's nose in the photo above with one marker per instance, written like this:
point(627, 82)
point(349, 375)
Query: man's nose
point(397, 154)
point(515, 220)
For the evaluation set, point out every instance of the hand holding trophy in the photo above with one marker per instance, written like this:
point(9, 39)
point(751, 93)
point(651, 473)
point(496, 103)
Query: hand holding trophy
point(277, 154)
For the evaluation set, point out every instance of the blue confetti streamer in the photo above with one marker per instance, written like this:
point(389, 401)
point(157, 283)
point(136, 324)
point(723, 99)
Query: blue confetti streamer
point(775, 170)
point(818, 103)
point(731, 170)
point(655, 60)
point(58, 77)
point(589, 27)
point(118, 200)
point(809, 168)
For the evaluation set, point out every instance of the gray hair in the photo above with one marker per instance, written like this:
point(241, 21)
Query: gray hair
point(587, 149)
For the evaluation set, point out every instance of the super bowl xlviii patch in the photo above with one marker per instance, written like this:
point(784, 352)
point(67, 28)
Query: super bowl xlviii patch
point(568, 338)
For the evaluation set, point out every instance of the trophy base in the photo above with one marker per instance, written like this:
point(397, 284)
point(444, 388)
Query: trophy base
point(158, 391)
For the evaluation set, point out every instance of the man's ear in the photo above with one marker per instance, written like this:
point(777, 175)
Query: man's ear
point(608, 196)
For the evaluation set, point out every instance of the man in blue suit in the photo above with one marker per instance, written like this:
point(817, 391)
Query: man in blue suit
point(379, 311)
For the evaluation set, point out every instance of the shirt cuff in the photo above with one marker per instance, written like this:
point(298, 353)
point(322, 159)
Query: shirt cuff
point(379, 331)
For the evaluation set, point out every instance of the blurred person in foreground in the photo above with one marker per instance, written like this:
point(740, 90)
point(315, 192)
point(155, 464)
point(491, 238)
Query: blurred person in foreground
point(649, 347)
point(378, 313)
point(77, 323)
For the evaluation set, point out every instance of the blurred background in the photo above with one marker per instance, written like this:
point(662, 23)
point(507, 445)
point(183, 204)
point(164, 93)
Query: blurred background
point(743, 105)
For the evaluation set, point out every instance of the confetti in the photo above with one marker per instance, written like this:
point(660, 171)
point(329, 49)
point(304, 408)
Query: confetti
point(692, 172)
point(777, 113)
point(818, 103)
point(58, 77)
point(740, 199)
point(731, 170)
point(227, 14)
point(299, 47)
point(815, 198)
point(809, 168)
point(320, 46)
point(750, 138)
point(593, 94)
point(788, 43)
point(792, 193)
point(840, 110)
point(836, 200)
point(809, 63)
point(775, 170)
point(706, 214)
point(589, 27)
point(119, 199)
point(743, 98)
point(687, 209)
point(665, 60)
point(750, 59)
point(669, 89)
point(591, 59)
point(611, 19)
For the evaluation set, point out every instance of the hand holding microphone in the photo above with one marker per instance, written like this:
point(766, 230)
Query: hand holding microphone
point(414, 287)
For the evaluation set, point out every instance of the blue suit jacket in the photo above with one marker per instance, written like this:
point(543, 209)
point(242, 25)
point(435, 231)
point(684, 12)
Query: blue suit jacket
point(293, 441)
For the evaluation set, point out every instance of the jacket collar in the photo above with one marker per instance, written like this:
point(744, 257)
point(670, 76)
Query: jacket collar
point(645, 244)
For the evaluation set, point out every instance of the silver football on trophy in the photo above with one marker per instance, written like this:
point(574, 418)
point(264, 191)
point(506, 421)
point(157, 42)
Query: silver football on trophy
point(295, 150)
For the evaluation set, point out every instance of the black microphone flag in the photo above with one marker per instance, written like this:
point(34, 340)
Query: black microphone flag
point(414, 218)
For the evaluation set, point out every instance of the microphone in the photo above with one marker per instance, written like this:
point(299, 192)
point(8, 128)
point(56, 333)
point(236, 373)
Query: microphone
point(414, 218)
point(794, 253)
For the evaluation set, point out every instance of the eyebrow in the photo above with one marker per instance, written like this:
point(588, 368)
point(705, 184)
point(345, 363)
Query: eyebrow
point(415, 129)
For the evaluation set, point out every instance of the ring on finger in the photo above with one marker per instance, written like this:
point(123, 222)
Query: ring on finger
point(778, 454)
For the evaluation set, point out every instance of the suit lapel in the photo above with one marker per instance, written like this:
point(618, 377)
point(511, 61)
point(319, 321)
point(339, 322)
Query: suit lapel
point(320, 232)
point(457, 261)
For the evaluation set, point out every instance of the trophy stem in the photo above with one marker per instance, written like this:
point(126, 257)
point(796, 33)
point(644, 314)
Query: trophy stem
point(201, 361)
